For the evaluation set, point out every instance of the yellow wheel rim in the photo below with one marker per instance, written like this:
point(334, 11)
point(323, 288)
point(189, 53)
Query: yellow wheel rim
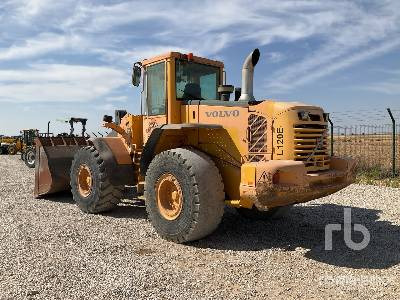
point(169, 196)
point(84, 181)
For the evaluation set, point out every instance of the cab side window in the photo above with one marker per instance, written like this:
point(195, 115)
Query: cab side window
point(156, 89)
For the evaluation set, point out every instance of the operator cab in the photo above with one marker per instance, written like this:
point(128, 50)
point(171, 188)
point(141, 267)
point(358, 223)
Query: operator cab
point(195, 81)
point(173, 79)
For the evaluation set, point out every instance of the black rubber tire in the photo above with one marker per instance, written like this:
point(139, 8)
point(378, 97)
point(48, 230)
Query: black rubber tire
point(12, 149)
point(104, 196)
point(272, 214)
point(22, 155)
point(202, 189)
point(30, 157)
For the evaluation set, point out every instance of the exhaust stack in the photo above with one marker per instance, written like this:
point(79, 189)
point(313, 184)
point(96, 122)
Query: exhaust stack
point(248, 74)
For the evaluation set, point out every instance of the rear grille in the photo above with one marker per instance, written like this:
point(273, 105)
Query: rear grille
point(257, 137)
point(310, 146)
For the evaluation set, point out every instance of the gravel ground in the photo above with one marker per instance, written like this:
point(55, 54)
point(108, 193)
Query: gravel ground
point(51, 250)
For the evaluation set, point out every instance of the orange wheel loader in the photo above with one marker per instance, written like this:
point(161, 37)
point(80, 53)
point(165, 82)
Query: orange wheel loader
point(193, 150)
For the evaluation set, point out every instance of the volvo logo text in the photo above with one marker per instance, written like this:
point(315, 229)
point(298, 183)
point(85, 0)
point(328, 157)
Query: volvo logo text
point(223, 113)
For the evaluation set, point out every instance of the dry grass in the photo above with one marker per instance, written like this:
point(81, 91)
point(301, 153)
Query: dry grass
point(376, 176)
point(373, 153)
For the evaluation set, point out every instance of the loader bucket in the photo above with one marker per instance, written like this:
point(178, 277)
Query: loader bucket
point(54, 157)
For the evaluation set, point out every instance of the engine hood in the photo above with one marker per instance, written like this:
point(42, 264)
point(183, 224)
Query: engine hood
point(276, 108)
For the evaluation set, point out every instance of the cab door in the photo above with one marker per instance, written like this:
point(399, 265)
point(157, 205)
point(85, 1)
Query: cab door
point(155, 98)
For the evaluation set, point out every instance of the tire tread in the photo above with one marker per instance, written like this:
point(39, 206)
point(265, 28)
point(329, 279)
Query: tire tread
point(109, 195)
point(208, 202)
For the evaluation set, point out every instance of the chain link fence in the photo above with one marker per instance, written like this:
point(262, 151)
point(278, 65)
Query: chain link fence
point(375, 147)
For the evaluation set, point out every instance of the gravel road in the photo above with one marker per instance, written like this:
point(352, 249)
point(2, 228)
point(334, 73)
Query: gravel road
point(51, 250)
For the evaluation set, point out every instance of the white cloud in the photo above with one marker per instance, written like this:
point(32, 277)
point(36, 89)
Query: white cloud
point(138, 53)
point(100, 18)
point(389, 86)
point(284, 85)
point(25, 11)
point(117, 98)
point(31, 7)
point(213, 25)
point(358, 35)
point(123, 32)
point(343, 28)
point(106, 107)
point(42, 44)
point(274, 57)
point(59, 83)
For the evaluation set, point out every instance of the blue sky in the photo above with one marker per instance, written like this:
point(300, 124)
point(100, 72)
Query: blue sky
point(73, 58)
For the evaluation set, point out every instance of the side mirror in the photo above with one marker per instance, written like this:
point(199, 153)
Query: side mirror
point(136, 74)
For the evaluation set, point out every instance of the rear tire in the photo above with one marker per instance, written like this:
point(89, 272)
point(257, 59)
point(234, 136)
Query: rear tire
point(100, 194)
point(30, 157)
point(272, 214)
point(201, 188)
point(12, 149)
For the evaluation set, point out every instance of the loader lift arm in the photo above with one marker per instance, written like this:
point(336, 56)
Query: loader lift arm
point(108, 123)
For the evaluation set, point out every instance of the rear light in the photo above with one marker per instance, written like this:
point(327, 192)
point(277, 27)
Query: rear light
point(188, 57)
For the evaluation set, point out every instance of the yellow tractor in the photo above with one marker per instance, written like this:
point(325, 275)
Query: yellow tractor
point(193, 150)
point(10, 145)
point(22, 144)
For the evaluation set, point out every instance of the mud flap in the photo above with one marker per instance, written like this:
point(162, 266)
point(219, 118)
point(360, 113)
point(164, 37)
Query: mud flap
point(54, 157)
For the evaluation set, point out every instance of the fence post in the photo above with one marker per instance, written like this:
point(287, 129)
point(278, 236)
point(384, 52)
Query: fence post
point(330, 122)
point(393, 143)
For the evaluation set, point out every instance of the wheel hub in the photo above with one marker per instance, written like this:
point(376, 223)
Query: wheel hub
point(84, 181)
point(169, 196)
point(30, 157)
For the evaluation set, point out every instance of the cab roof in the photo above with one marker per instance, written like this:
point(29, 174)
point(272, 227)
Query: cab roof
point(196, 59)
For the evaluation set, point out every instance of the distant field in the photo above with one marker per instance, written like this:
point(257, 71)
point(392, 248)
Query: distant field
point(372, 151)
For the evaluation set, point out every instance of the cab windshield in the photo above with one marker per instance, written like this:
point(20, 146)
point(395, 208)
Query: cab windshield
point(196, 81)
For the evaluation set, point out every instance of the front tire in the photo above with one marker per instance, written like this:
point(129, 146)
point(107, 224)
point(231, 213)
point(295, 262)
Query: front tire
point(30, 157)
point(184, 195)
point(90, 184)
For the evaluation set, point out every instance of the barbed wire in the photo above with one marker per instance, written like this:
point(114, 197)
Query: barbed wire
point(364, 117)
